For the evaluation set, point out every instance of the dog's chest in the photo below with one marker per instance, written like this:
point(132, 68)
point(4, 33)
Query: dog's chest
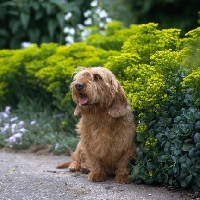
point(102, 139)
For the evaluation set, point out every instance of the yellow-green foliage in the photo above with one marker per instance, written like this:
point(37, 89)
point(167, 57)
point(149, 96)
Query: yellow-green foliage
point(144, 87)
point(146, 58)
point(192, 81)
point(45, 71)
point(148, 40)
point(113, 37)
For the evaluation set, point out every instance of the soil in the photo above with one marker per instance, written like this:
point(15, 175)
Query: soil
point(30, 176)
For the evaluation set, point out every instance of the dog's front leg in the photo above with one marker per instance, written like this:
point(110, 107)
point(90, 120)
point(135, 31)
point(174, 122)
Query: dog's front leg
point(97, 174)
point(122, 171)
point(76, 159)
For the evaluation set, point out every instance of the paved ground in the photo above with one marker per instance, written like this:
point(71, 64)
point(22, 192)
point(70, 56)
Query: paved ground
point(28, 176)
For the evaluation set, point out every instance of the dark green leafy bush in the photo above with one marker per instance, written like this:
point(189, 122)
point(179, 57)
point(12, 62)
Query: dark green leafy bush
point(37, 21)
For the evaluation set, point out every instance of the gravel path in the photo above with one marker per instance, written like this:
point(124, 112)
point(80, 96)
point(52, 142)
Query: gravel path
point(29, 176)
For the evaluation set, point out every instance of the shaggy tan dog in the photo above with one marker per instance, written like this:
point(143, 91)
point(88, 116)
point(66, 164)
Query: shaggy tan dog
point(106, 127)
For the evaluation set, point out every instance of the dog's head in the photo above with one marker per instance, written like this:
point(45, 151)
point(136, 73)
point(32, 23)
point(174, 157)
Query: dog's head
point(97, 86)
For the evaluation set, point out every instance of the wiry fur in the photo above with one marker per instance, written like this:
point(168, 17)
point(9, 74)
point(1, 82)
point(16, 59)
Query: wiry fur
point(106, 127)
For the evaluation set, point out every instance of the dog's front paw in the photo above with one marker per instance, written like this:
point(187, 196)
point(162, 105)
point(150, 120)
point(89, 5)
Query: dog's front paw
point(96, 177)
point(122, 179)
point(75, 166)
point(84, 169)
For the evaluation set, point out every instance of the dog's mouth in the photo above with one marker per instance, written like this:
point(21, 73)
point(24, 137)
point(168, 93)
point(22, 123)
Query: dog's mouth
point(83, 100)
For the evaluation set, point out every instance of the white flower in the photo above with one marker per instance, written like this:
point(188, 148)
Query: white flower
point(108, 20)
point(94, 3)
point(25, 44)
point(68, 15)
point(13, 126)
point(21, 123)
point(33, 122)
point(88, 21)
point(85, 33)
point(7, 109)
point(23, 130)
point(14, 137)
point(68, 30)
point(98, 11)
point(71, 31)
point(13, 119)
point(4, 114)
point(56, 146)
point(69, 39)
point(101, 25)
point(103, 14)
point(87, 13)
point(80, 26)
point(5, 128)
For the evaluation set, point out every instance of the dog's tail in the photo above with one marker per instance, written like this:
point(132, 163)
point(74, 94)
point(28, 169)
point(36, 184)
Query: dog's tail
point(63, 165)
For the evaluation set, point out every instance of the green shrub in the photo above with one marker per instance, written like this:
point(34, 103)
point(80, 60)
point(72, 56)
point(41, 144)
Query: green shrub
point(163, 91)
point(45, 73)
point(139, 48)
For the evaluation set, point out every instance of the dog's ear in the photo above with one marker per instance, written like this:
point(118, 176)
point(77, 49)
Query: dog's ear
point(119, 102)
point(77, 110)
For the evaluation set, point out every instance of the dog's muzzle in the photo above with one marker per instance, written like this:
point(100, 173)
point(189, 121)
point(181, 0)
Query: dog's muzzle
point(79, 86)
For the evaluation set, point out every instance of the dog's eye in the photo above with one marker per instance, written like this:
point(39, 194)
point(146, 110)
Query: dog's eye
point(97, 77)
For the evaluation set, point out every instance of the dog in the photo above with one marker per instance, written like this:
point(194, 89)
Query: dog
point(106, 127)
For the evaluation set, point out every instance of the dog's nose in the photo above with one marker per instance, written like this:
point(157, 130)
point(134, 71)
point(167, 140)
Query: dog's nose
point(79, 86)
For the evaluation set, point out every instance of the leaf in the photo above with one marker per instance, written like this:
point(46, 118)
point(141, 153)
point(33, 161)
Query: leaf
point(188, 162)
point(197, 179)
point(197, 125)
point(175, 169)
point(178, 144)
point(175, 128)
point(38, 15)
point(162, 158)
point(198, 145)
point(51, 27)
point(182, 159)
point(177, 119)
point(4, 33)
point(187, 181)
point(174, 158)
point(60, 19)
point(34, 34)
point(151, 166)
point(177, 152)
point(197, 115)
point(184, 128)
point(194, 152)
point(25, 18)
point(196, 188)
point(183, 174)
point(197, 138)
point(187, 147)
point(197, 167)
point(34, 5)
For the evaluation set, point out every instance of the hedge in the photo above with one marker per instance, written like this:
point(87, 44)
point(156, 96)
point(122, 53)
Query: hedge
point(160, 72)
